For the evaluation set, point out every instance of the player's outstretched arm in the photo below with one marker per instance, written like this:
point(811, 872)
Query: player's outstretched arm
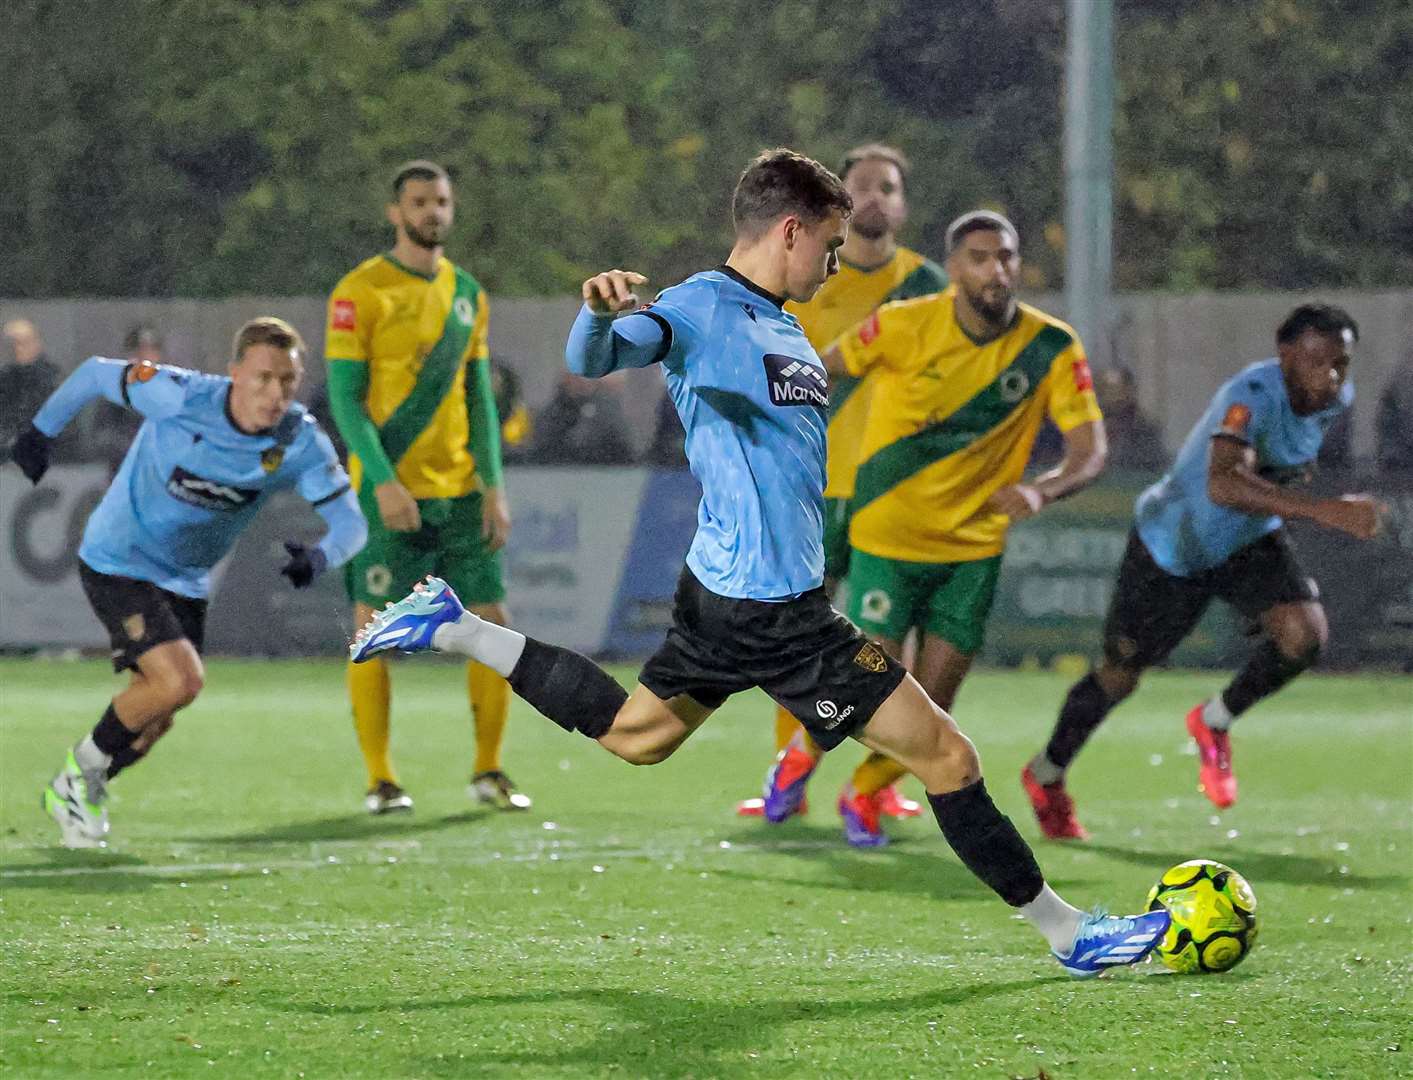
point(1232, 481)
point(152, 390)
point(599, 343)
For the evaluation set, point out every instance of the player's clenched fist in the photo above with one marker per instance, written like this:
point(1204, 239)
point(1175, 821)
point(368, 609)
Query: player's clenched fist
point(612, 291)
point(1361, 516)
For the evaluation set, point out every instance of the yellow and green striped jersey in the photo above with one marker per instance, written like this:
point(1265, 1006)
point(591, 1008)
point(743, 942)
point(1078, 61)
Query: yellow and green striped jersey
point(416, 334)
point(953, 422)
point(842, 303)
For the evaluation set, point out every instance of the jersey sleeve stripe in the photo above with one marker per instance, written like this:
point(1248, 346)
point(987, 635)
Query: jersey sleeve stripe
point(666, 327)
point(330, 497)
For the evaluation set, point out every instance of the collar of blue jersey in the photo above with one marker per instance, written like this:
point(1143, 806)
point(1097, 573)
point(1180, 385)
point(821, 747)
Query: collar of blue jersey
point(263, 433)
point(746, 283)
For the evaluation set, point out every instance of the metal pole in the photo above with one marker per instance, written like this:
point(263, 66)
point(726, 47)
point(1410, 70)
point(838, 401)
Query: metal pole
point(1088, 170)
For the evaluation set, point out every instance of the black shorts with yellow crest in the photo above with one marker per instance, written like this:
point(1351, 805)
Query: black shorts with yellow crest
point(139, 615)
point(804, 654)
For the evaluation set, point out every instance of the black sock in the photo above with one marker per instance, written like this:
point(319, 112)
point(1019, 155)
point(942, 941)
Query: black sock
point(123, 759)
point(570, 689)
point(986, 841)
point(1266, 672)
point(110, 736)
point(1084, 709)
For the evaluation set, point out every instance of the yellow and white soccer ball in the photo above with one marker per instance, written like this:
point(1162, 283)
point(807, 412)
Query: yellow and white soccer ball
point(1214, 917)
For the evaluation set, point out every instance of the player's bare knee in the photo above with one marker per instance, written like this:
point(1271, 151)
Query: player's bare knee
point(950, 760)
point(1117, 681)
point(179, 686)
point(1301, 639)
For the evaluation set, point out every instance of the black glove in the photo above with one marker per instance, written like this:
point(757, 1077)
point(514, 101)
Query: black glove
point(305, 564)
point(31, 452)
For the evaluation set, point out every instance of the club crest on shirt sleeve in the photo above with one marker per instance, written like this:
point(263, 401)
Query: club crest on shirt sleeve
point(1236, 420)
point(345, 315)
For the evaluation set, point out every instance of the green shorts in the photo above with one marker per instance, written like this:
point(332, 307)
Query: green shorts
point(449, 544)
point(836, 538)
point(889, 597)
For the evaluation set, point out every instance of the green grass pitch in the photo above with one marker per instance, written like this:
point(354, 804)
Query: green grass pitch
point(250, 920)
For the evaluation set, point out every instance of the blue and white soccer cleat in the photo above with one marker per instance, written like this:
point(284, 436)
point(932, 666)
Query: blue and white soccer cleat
point(409, 624)
point(1104, 941)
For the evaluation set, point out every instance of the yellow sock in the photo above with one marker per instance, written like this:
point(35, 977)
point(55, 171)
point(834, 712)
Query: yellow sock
point(490, 705)
point(875, 773)
point(785, 728)
point(369, 691)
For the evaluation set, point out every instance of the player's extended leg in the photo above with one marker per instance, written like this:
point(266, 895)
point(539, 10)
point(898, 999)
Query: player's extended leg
point(490, 708)
point(1150, 612)
point(169, 676)
point(912, 729)
point(564, 686)
point(1294, 635)
point(939, 668)
point(370, 697)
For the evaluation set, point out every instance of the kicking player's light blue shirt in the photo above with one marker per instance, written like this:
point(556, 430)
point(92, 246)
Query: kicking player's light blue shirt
point(192, 480)
point(753, 396)
point(1187, 533)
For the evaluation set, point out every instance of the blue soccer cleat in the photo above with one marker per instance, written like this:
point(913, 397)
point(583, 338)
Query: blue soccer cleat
point(409, 624)
point(1104, 941)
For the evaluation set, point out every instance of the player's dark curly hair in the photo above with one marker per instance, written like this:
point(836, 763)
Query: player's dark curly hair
point(780, 182)
point(877, 152)
point(1326, 318)
point(417, 170)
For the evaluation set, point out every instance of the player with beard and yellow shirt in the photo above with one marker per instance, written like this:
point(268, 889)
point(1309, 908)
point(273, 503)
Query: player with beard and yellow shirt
point(874, 269)
point(410, 390)
point(963, 381)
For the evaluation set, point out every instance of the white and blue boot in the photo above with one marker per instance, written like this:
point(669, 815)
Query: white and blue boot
point(1105, 941)
point(409, 624)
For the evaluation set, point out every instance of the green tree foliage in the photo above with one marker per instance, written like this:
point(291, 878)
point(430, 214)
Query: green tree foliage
point(213, 147)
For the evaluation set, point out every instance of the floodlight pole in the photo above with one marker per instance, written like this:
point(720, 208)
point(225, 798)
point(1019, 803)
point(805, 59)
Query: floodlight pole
point(1089, 171)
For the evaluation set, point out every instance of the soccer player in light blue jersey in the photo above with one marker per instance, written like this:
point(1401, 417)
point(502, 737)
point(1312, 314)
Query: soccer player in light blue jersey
point(211, 449)
point(1213, 527)
point(750, 608)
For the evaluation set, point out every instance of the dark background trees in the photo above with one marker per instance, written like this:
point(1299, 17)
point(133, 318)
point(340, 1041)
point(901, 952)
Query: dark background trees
point(219, 147)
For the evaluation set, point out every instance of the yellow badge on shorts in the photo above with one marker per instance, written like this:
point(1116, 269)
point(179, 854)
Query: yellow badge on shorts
point(871, 658)
point(271, 459)
point(135, 626)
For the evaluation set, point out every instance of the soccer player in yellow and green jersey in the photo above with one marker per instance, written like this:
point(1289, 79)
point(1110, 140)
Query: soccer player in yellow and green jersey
point(963, 381)
point(873, 269)
point(410, 390)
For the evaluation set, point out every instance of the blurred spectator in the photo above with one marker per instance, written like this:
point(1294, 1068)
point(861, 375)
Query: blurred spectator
point(583, 424)
point(317, 402)
point(112, 427)
point(26, 379)
point(1394, 422)
point(1135, 441)
point(666, 450)
point(515, 423)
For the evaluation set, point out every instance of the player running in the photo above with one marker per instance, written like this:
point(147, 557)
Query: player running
point(410, 390)
point(1214, 527)
point(750, 608)
point(873, 269)
point(963, 382)
point(209, 452)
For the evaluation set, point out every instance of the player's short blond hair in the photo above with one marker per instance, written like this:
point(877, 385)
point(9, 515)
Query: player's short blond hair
point(267, 330)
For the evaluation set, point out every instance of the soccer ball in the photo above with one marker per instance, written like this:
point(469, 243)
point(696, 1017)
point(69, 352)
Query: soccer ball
point(1214, 917)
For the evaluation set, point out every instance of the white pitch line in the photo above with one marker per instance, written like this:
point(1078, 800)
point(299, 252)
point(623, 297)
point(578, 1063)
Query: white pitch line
point(556, 854)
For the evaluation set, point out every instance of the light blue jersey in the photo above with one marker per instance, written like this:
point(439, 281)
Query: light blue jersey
point(192, 480)
point(1187, 533)
point(753, 397)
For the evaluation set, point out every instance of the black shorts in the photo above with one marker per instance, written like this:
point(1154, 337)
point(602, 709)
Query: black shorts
point(1153, 610)
point(801, 652)
point(139, 615)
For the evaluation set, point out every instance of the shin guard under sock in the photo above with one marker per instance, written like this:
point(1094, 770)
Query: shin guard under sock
point(568, 688)
point(1266, 672)
point(1084, 709)
point(986, 841)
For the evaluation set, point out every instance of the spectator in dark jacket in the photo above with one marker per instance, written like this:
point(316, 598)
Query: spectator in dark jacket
point(1394, 422)
point(583, 424)
point(26, 379)
point(1135, 441)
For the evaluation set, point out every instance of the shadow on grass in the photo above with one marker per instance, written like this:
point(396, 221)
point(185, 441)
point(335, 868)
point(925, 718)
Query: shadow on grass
point(1259, 866)
point(344, 827)
point(658, 1033)
point(909, 865)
